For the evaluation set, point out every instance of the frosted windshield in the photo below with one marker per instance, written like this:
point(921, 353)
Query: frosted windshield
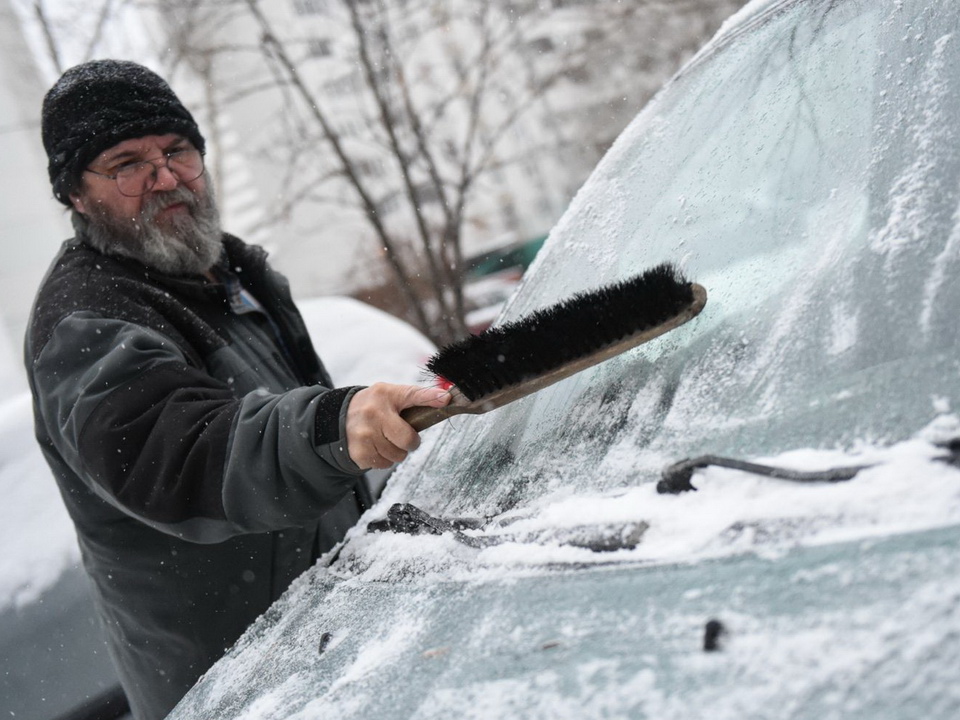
point(807, 173)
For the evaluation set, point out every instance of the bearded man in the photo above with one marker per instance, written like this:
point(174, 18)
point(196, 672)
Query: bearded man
point(199, 445)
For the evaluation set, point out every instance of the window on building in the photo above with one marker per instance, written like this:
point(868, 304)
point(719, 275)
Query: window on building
point(579, 74)
point(366, 168)
point(311, 7)
point(319, 47)
point(542, 45)
point(594, 35)
point(427, 193)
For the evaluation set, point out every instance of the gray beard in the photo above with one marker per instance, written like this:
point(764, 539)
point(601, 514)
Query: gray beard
point(190, 245)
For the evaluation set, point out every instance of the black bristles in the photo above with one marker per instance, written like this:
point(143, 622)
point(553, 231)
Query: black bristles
point(546, 339)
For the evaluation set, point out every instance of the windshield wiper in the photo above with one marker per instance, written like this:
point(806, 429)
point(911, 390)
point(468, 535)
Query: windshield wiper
point(677, 478)
point(411, 520)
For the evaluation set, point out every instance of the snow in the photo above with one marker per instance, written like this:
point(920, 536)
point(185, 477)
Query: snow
point(359, 345)
point(906, 487)
point(36, 535)
point(379, 652)
point(912, 200)
point(428, 622)
point(425, 626)
point(739, 19)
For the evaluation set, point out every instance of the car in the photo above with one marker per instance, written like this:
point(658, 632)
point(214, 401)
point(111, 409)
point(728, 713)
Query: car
point(492, 277)
point(756, 515)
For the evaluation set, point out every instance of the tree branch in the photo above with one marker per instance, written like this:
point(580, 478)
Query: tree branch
point(270, 40)
point(51, 42)
point(388, 123)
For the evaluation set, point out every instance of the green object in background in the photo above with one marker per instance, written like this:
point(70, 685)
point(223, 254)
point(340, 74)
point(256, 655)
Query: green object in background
point(519, 255)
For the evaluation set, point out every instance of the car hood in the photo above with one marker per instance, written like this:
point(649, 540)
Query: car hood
point(614, 641)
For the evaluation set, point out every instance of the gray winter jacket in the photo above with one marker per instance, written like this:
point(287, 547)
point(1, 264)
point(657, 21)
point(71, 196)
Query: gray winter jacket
point(200, 453)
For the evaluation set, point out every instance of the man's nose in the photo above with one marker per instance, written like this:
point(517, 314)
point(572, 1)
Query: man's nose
point(166, 179)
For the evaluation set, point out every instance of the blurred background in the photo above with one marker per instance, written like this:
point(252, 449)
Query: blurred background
point(398, 151)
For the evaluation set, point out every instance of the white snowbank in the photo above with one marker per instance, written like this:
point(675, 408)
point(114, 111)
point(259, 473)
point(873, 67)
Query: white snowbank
point(35, 532)
point(361, 345)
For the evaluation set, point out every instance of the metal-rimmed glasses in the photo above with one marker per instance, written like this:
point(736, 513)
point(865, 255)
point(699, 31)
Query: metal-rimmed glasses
point(138, 178)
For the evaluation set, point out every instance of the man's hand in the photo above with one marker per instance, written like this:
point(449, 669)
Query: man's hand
point(377, 437)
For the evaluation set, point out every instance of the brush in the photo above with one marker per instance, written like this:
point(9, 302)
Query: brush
point(511, 361)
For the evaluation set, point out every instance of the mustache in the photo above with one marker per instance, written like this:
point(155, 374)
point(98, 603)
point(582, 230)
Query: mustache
point(157, 202)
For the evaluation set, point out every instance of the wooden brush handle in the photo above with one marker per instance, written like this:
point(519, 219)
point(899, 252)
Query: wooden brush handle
point(422, 417)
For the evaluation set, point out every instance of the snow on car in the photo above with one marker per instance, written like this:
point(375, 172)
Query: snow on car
point(804, 168)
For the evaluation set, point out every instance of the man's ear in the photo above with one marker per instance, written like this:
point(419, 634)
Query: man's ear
point(77, 203)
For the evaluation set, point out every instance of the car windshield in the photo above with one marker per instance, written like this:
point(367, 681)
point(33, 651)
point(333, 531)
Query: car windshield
point(806, 173)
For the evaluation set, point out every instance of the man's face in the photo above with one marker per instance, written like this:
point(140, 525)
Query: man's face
point(173, 227)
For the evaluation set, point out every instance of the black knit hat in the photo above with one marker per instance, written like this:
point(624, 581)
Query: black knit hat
point(98, 104)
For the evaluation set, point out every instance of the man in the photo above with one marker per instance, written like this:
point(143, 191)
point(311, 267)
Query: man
point(198, 443)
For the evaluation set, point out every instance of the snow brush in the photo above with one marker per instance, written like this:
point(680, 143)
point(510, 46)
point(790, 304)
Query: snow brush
point(511, 361)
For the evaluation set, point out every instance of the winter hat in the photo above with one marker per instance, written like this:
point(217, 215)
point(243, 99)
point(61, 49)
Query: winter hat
point(98, 104)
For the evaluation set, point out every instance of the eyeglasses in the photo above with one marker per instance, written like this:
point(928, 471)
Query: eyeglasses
point(138, 178)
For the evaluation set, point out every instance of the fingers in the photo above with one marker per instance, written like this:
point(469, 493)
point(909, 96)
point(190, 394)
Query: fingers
point(429, 396)
point(377, 437)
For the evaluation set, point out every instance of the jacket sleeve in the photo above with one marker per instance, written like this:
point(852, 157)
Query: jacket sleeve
point(167, 443)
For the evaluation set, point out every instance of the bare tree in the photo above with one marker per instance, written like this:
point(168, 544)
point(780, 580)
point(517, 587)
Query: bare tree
point(53, 49)
point(427, 131)
point(60, 25)
point(404, 128)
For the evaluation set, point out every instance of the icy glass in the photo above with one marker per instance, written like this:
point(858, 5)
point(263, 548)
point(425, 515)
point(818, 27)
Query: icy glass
point(807, 173)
